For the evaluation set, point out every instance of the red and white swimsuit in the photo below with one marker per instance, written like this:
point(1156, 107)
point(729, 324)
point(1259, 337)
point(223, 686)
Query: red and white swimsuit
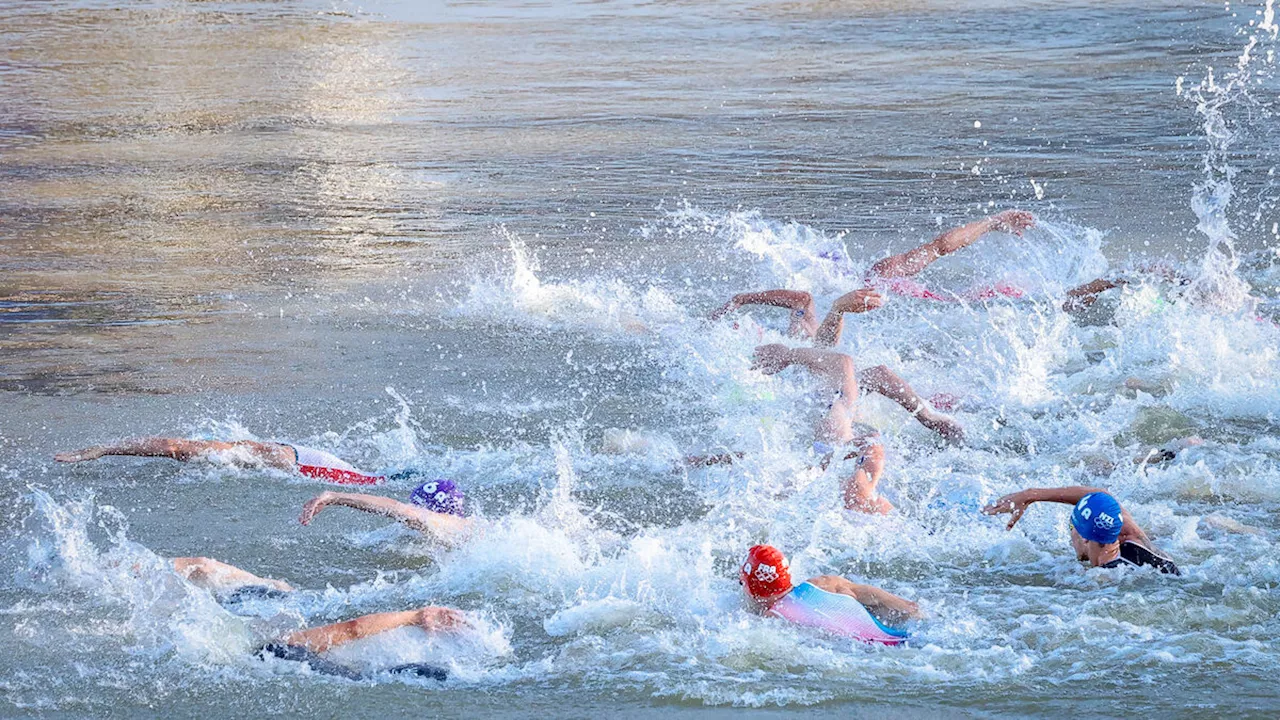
point(325, 466)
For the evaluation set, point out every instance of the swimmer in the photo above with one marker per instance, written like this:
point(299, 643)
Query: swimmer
point(231, 585)
point(826, 602)
point(838, 426)
point(892, 274)
point(436, 509)
point(1102, 532)
point(878, 379)
point(306, 461)
point(309, 646)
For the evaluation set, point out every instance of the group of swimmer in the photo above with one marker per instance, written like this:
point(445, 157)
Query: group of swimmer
point(1103, 533)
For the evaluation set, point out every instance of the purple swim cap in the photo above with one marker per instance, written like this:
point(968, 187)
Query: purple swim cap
point(439, 495)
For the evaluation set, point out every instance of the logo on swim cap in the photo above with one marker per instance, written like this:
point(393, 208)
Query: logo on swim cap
point(441, 496)
point(765, 573)
point(1097, 517)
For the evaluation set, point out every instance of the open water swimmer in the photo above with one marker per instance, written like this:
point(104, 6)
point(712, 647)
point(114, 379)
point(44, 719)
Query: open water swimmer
point(634, 359)
point(436, 508)
point(827, 602)
point(1102, 532)
point(309, 462)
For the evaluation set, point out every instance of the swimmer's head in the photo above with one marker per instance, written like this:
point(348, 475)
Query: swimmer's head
point(765, 574)
point(1097, 518)
point(440, 495)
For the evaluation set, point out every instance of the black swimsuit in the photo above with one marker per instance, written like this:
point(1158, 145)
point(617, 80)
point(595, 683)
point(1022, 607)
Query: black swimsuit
point(1137, 554)
point(325, 666)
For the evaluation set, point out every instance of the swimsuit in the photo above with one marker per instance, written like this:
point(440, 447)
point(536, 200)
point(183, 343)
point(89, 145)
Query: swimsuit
point(325, 666)
point(321, 465)
point(808, 605)
point(1138, 555)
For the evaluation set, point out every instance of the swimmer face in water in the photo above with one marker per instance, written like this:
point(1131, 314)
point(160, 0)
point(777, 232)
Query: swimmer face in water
point(1099, 525)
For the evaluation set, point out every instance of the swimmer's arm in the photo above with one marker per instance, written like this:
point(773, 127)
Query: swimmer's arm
point(791, 299)
point(210, 574)
point(444, 528)
point(835, 368)
point(859, 489)
point(1017, 503)
point(879, 602)
point(326, 637)
point(1083, 297)
point(858, 301)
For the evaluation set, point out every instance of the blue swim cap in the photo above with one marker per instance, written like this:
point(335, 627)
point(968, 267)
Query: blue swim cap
point(1097, 517)
point(442, 496)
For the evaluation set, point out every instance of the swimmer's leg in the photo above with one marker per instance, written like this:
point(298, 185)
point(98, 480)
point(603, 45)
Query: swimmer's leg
point(210, 574)
point(882, 380)
point(859, 489)
point(272, 454)
point(913, 261)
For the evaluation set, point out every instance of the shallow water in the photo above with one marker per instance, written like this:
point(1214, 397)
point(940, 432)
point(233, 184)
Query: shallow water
point(482, 240)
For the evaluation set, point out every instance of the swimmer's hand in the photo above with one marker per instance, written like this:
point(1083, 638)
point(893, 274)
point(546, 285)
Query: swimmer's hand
point(1012, 221)
point(725, 309)
point(89, 453)
point(314, 506)
point(1014, 503)
point(858, 301)
point(771, 359)
point(441, 619)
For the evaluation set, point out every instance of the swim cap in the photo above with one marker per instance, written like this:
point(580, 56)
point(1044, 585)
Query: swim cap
point(1097, 517)
point(439, 495)
point(765, 574)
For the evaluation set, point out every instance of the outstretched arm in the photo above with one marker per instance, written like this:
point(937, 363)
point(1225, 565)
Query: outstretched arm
point(209, 574)
point(858, 301)
point(326, 637)
point(881, 603)
point(443, 527)
point(913, 261)
point(273, 454)
point(1017, 503)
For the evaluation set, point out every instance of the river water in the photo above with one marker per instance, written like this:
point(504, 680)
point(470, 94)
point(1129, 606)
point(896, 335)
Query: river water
point(481, 240)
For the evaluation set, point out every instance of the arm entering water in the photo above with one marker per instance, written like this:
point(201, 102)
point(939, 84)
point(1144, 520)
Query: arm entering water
point(1015, 504)
point(444, 528)
point(858, 301)
point(432, 619)
point(804, 322)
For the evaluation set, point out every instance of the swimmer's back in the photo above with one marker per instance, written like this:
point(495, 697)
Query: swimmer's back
point(326, 466)
point(808, 605)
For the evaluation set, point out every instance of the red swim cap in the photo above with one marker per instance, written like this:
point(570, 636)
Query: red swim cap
point(765, 573)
